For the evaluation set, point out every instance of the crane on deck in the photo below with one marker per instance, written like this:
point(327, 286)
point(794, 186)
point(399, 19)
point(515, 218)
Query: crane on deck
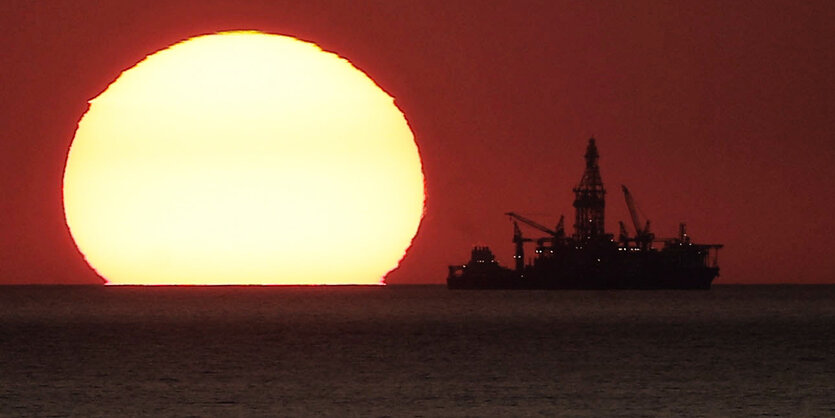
point(519, 240)
point(643, 237)
point(560, 232)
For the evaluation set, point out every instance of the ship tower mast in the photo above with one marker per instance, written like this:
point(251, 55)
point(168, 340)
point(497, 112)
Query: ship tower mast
point(589, 200)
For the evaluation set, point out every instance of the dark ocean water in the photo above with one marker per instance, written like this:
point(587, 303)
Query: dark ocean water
point(416, 351)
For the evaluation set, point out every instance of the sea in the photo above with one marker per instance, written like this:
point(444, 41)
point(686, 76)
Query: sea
point(416, 351)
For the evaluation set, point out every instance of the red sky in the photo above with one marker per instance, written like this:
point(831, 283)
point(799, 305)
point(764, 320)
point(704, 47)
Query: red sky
point(719, 114)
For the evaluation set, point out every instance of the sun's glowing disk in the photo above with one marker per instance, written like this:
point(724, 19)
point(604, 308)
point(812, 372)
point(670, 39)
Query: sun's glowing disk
point(243, 158)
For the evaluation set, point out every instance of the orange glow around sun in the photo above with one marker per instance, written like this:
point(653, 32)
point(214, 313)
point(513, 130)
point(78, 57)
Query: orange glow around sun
point(243, 158)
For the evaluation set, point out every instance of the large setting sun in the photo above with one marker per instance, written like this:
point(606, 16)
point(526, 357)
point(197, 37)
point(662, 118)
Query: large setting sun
point(243, 158)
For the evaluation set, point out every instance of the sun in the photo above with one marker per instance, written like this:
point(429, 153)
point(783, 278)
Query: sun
point(243, 158)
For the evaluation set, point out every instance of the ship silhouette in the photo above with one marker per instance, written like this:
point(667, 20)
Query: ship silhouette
point(591, 258)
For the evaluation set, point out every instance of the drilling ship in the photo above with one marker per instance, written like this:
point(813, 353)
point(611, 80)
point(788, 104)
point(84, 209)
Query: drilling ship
point(591, 258)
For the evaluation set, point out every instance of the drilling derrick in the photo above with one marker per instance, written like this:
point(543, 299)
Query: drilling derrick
point(589, 201)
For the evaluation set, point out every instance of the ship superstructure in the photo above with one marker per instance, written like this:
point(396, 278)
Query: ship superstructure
point(591, 258)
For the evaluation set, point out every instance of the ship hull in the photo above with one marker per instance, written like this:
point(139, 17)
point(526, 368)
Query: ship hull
point(692, 279)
